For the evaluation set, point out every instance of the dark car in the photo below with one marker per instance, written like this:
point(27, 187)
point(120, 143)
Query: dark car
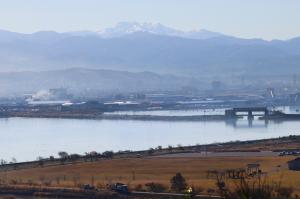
point(88, 187)
point(120, 188)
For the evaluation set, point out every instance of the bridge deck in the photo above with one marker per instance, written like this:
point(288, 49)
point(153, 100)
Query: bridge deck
point(246, 111)
point(253, 109)
point(251, 115)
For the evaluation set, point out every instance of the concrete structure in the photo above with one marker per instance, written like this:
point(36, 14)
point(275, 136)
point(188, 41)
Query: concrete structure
point(249, 112)
point(253, 169)
point(294, 164)
point(232, 115)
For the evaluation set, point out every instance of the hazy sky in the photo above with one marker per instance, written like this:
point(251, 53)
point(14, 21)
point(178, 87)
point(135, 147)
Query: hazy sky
point(267, 19)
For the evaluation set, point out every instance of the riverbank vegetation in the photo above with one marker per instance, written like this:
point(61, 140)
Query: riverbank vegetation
point(288, 144)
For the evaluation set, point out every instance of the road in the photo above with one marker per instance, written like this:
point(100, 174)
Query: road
point(175, 195)
point(220, 154)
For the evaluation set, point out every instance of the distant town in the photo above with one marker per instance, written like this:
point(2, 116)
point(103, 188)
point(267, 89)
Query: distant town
point(61, 100)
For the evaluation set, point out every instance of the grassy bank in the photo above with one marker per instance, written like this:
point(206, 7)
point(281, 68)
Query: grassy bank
point(135, 171)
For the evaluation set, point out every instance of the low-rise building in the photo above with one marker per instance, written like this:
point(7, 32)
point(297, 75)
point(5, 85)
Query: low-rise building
point(294, 164)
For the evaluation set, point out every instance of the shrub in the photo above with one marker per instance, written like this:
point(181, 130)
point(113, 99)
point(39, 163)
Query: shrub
point(258, 188)
point(285, 192)
point(210, 191)
point(151, 151)
point(14, 182)
point(197, 190)
point(155, 187)
point(139, 187)
point(47, 183)
point(108, 154)
point(30, 182)
point(100, 185)
point(159, 148)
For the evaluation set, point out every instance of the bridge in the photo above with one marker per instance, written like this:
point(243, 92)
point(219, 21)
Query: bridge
point(250, 112)
point(231, 115)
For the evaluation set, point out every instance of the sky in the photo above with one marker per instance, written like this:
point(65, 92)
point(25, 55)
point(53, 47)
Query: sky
point(267, 19)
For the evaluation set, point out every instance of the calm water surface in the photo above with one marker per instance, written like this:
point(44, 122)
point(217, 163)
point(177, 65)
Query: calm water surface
point(28, 138)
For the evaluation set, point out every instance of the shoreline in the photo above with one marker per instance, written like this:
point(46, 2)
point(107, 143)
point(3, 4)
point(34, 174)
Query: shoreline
point(100, 116)
point(233, 148)
point(230, 115)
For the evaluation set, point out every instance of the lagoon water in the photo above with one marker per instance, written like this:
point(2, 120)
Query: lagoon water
point(28, 138)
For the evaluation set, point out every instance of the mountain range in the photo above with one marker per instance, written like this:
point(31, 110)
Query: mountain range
point(136, 47)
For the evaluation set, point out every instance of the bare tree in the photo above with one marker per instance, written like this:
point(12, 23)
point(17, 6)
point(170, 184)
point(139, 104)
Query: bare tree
point(178, 183)
point(3, 162)
point(63, 154)
point(13, 160)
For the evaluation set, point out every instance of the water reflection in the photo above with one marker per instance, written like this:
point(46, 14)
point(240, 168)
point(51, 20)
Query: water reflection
point(248, 123)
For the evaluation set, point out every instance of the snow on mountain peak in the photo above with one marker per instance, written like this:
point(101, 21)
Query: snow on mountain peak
point(125, 28)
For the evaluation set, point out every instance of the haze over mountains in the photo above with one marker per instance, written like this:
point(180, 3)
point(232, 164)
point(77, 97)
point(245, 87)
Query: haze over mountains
point(135, 47)
point(82, 81)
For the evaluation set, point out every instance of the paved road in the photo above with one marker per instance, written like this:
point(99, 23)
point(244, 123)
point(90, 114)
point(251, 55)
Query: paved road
point(173, 195)
point(220, 154)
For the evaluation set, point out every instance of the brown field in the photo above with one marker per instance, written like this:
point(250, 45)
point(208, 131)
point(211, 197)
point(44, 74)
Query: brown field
point(133, 171)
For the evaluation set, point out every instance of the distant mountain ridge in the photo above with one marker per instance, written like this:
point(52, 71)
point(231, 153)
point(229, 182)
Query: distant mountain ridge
point(149, 47)
point(121, 29)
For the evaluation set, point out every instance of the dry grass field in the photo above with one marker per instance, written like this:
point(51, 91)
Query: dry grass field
point(134, 171)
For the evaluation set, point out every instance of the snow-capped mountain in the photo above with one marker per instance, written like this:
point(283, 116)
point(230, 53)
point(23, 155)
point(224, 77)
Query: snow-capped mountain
point(120, 30)
point(158, 51)
point(125, 28)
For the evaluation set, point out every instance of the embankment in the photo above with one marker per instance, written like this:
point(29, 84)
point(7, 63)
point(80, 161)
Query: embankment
point(72, 115)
